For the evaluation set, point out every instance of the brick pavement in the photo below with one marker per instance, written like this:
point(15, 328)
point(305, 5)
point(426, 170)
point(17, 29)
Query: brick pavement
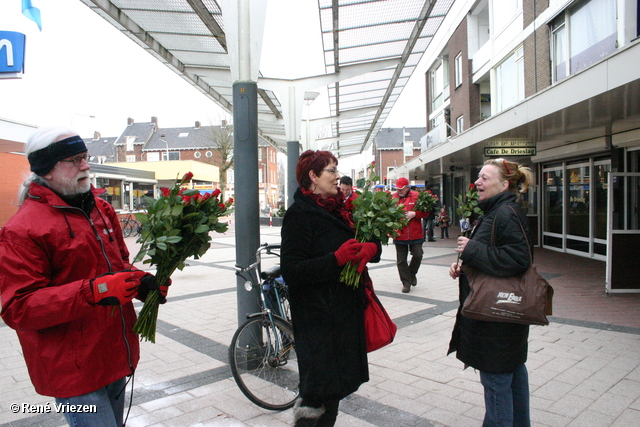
point(584, 367)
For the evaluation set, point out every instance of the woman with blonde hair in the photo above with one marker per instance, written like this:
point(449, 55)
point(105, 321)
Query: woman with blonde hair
point(497, 349)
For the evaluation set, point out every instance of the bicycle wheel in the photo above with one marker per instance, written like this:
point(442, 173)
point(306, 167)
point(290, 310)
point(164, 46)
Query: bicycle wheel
point(126, 227)
point(264, 364)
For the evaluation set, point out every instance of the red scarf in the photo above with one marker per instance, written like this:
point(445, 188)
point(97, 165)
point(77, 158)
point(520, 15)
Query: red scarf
point(335, 205)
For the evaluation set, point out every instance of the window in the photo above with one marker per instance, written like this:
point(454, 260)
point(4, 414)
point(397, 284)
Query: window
point(437, 85)
point(208, 154)
point(130, 140)
point(503, 12)
point(458, 70)
point(582, 36)
point(197, 154)
point(153, 157)
point(459, 125)
point(510, 80)
point(131, 158)
point(171, 155)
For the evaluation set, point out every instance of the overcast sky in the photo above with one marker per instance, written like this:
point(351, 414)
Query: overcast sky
point(81, 66)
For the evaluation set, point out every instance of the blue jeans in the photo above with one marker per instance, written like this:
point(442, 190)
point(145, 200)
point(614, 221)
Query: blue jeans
point(109, 406)
point(506, 398)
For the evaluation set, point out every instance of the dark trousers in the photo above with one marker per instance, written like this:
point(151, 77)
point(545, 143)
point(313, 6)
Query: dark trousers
point(428, 228)
point(408, 270)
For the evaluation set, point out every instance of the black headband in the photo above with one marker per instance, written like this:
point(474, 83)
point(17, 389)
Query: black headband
point(43, 160)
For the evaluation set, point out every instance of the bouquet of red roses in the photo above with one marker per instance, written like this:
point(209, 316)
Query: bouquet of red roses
point(468, 208)
point(426, 202)
point(376, 217)
point(175, 227)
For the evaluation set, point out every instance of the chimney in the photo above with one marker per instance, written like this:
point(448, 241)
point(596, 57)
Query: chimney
point(154, 120)
point(129, 121)
point(96, 135)
point(197, 125)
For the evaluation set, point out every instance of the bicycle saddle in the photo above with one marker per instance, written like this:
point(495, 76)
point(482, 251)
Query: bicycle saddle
point(272, 273)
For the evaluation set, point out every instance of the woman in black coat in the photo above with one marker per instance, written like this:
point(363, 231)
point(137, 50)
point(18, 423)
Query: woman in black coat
point(497, 349)
point(327, 315)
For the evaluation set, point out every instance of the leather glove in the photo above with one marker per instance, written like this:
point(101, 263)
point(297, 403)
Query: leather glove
point(115, 288)
point(148, 283)
point(347, 251)
point(367, 251)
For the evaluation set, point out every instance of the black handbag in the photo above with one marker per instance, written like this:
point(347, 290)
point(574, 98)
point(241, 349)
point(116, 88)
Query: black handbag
point(526, 299)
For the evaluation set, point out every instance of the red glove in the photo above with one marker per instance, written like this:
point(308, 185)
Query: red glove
point(367, 251)
point(348, 251)
point(115, 288)
point(148, 283)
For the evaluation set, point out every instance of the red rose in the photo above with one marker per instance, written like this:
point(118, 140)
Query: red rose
point(186, 200)
point(187, 177)
point(215, 193)
point(166, 192)
point(472, 186)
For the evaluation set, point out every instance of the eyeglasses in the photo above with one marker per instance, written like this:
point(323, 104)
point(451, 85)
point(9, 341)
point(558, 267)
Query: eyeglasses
point(77, 160)
point(332, 170)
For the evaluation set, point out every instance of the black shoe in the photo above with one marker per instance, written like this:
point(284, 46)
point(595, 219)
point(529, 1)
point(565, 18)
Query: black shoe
point(431, 240)
point(406, 289)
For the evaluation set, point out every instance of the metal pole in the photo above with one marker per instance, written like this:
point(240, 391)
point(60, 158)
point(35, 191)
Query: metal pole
point(245, 154)
point(293, 152)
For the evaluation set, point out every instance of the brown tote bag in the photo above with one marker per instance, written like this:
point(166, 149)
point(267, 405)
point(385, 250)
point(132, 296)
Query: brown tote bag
point(525, 299)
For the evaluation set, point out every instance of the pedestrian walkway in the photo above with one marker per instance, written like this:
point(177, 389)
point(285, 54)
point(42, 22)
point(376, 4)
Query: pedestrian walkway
point(584, 367)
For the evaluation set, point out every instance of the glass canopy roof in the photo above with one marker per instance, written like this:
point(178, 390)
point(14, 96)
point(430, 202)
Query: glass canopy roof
point(188, 36)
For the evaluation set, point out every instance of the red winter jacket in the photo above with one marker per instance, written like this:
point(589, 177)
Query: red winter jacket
point(49, 252)
point(413, 230)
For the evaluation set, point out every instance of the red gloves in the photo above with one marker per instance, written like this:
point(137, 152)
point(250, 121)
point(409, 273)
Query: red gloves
point(367, 251)
point(348, 251)
point(148, 283)
point(115, 288)
point(353, 251)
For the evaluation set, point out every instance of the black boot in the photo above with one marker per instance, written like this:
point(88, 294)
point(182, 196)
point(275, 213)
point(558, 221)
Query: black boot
point(328, 419)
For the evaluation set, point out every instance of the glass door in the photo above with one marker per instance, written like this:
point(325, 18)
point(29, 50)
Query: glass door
point(623, 268)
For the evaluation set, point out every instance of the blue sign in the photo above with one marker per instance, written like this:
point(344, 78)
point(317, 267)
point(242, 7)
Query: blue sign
point(12, 47)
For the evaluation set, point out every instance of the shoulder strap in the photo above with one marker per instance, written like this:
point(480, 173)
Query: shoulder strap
point(523, 232)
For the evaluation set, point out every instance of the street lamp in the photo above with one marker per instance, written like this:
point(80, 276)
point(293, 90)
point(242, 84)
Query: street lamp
point(167, 150)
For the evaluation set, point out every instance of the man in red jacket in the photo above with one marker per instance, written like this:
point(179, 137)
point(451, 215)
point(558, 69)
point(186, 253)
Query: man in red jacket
point(67, 284)
point(411, 236)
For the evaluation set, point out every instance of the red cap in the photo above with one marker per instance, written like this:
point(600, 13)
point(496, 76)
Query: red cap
point(401, 183)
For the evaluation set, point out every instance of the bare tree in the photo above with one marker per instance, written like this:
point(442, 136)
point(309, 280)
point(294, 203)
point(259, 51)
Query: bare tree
point(220, 140)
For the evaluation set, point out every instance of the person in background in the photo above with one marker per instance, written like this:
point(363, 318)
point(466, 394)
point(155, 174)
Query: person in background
point(346, 186)
point(443, 222)
point(429, 222)
point(67, 283)
point(327, 315)
point(497, 349)
point(411, 236)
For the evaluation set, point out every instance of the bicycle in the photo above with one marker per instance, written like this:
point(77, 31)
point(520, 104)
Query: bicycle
point(262, 353)
point(130, 226)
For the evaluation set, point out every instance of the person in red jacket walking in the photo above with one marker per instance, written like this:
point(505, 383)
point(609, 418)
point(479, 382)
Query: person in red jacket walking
point(67, 283)
point(411, 236)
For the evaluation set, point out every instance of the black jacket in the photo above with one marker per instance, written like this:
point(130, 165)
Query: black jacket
point(493, 347)
point(327, 315)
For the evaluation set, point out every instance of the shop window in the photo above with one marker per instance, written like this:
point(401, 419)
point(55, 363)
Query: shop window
point(553, 196)
point(579, 192)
